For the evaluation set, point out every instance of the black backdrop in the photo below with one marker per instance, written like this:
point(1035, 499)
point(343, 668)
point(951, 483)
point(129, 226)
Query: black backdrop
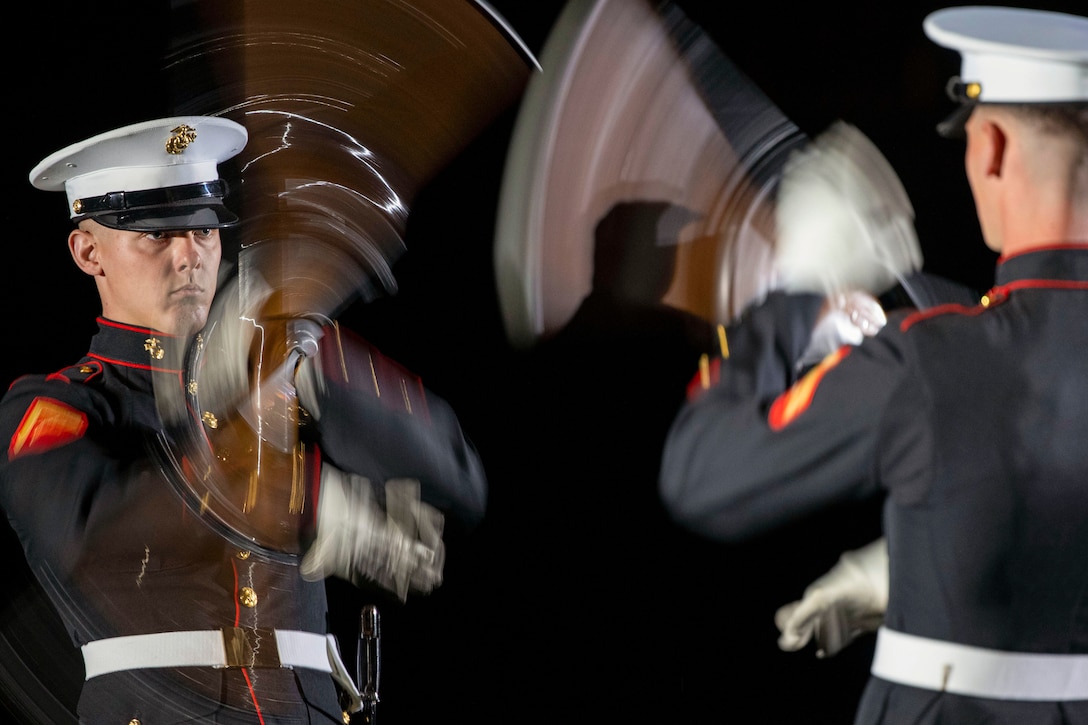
point(575, 600)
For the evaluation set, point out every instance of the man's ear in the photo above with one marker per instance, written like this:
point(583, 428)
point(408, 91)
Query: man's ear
point(84, 248)
point(994, 144)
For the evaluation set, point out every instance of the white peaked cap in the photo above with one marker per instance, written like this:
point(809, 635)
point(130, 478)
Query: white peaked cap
point(160, 174)
point(1013, 55)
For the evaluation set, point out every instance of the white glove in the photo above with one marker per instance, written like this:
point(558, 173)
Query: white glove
point(846, 602)
point(849, 319)
point(398, 547)
point(843, 219)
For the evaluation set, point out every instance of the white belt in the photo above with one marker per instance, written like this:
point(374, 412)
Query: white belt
point(978, 672)
point(229, 647)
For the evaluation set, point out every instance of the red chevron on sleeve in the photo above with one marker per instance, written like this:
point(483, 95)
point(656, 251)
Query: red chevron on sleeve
point(796, 400)
point(47, 424)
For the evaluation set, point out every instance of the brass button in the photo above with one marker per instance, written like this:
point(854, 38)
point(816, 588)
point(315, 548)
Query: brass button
point(248, 597)
point(243, 555)
point(134, 721)
point(85, 369)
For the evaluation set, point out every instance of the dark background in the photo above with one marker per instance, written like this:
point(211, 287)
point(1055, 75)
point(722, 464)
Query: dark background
point(575, 600)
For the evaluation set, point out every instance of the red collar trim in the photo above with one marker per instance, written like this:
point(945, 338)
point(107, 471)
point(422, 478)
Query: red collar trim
point(134, 328)
point(1056, 246)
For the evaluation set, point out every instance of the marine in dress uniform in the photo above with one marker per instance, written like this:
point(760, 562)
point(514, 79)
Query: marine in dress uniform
point(966, 419)
point(176, 621)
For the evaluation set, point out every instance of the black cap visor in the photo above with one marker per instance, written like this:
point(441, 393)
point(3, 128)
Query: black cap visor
point(191, 206)
point(168, 218)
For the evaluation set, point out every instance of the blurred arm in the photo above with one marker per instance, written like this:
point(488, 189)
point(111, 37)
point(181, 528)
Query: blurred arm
point(376, 419)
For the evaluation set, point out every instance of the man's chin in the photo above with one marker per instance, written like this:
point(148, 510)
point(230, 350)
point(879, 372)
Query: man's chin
point(188, 320)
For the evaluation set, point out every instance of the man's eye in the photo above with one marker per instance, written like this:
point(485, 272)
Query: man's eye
point(156, 235)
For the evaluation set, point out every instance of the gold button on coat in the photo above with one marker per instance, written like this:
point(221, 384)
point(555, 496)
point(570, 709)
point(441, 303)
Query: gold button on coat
point(248, 597)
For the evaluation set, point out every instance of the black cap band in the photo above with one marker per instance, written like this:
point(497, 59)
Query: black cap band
point(119, 201)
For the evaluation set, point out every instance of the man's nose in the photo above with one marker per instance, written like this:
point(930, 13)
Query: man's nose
point(188, 252)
